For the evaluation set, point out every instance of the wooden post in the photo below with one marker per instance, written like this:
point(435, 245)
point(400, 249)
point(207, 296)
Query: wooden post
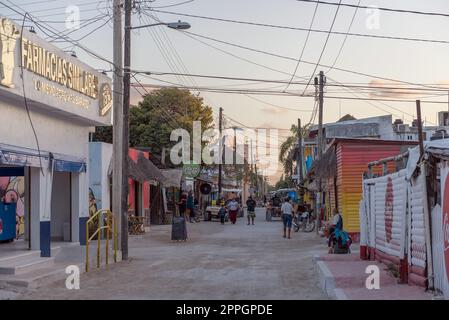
point(420, 133)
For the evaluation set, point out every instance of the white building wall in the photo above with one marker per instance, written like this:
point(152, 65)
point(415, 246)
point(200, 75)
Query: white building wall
point(54, 134)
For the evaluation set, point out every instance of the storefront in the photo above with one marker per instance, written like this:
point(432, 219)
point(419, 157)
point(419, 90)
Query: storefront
point(143, 182)
point(49, 103)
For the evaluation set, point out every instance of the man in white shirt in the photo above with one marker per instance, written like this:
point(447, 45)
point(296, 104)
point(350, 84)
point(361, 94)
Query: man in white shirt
point(287, 216)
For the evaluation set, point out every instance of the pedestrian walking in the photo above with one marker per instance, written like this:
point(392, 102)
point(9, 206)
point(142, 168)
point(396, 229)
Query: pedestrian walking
point(191, 207)
point(287, 216)
point(251, 209)
point(222, 213)
point(182, 204)
point(233, 207)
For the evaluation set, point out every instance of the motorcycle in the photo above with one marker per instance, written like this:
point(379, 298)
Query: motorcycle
point(304, 221)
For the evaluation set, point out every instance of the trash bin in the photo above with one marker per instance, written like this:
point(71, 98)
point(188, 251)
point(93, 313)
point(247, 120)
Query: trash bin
point(7, 221)
point(179, 229)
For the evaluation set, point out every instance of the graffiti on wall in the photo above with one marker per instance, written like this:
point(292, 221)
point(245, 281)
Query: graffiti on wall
point(12, 190)
point(92, 203)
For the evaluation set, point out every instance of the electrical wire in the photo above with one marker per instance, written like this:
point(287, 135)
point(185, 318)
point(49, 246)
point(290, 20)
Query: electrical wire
point(352, 34)
point(303, 61)
point(344, 40)
point(277, 106)
point(323, 49)
point(336, 84)
point(303, 47)
point(380, 8)
point(25, 100)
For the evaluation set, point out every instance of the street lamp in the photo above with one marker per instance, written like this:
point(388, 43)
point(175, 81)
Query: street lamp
point(125, 115)
point(180, 25)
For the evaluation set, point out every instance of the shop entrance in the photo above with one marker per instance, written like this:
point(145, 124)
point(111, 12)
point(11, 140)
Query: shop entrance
point(61, 207)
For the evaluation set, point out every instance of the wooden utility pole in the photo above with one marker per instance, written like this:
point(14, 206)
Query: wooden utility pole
point(299, 163)
point(426, 206)
point(299, 153)
point(320, 143)
point(220, 152)
point(117, 131)
point(420, 133)
point(252, 161)
point(126, 97)
point(235, 154)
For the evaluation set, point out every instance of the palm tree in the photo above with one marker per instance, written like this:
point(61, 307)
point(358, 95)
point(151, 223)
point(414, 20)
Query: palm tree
point(288, 145)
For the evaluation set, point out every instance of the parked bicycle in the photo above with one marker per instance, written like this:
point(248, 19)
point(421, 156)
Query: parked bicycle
point(304, 221)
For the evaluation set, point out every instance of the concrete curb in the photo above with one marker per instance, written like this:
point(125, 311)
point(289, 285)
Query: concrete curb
point(327, 280)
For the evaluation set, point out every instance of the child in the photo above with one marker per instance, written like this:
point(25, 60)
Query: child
point(222, 213)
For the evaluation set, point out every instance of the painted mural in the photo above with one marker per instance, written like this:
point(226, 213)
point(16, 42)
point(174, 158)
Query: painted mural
point(92, 203)
point(12, 189)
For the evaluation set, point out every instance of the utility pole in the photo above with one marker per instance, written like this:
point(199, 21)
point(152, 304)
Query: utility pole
point(126, 96)
point(252, 161)
point(235, 154)
point(299, 162)
point(320, 142)
point(117, 131)
point(420, 133)
point(257, 178)
point(220, 146)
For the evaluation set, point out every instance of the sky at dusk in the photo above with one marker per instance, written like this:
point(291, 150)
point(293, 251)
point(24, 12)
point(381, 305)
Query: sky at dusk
point(159, 49)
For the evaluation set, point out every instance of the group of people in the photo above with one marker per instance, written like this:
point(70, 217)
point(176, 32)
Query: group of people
point(337, 237)
point(233, 207)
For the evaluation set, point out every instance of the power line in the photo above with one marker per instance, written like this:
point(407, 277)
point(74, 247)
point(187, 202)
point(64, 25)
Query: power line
point(290, 94)
point(337, 84)
point(304, 47)
point(303, 61)
point(267, 25)
point(241, 58)
point(324, 48)
point(344, 40)
point(278, 106)
point(45, 29)
point(164, 114)
point(380, 8)
point(176, 4)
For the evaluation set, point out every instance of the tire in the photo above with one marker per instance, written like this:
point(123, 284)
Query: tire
point(309, 227)
point(296, 228)
point(209, 216)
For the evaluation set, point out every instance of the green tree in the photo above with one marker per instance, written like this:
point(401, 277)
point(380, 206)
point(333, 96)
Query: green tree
point(160, 112)
point(288, 145)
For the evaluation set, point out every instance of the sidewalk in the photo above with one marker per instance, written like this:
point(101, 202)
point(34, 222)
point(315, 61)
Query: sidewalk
point(342, 277)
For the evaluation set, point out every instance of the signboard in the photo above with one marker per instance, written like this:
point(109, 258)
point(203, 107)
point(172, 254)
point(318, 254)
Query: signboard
point(191, 170)
point(51, 77)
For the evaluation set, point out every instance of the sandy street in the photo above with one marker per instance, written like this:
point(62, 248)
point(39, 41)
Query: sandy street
point(217, 262)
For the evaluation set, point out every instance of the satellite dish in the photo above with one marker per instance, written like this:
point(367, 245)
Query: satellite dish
point(205, 188)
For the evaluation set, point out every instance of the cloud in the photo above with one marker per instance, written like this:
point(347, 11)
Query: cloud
point(275, 111)
point(398, 90)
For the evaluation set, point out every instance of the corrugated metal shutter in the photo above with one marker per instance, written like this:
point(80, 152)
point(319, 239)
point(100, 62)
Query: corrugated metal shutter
point(352, 162)
point(439, 248)
point(418, 240)
point(387, 201)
